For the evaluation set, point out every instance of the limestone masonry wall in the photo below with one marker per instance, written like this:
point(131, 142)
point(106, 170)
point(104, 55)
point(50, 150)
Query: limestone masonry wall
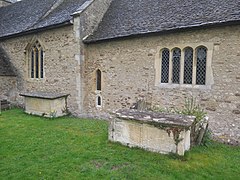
point(60, 66)
point(8, 85)
point(128, 74)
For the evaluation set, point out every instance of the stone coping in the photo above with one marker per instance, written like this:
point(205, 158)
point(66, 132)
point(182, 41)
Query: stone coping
point(44, 95)
point(150, 117)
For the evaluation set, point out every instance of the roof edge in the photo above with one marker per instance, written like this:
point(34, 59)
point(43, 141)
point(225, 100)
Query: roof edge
point(8, 1)
point(66, 23)
point(170, 30)
point(83, 7)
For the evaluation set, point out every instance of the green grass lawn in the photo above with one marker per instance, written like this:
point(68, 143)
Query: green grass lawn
point(70, 148)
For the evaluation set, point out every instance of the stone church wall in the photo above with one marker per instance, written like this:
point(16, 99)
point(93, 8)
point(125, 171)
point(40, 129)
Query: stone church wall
point(8, 88)
point(63, 56)
point(128, 74)
point(60, 66)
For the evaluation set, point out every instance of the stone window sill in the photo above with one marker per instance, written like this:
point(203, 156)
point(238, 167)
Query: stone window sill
point(187, 86)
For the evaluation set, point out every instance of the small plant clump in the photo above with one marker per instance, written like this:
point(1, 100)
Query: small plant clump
point(193, 109)
point(200, 134)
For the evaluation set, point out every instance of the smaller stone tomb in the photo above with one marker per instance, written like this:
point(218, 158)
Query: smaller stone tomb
point(46, 104)
point(157, 132)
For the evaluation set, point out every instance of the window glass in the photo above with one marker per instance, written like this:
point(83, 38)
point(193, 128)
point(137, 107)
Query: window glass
point(201, 65)
point(176, 66)
point(188, 65)
point(165, 66)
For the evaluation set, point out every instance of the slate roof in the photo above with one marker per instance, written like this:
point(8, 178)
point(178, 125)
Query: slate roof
point(6, 68)
point(134, 17)
point(28, 15)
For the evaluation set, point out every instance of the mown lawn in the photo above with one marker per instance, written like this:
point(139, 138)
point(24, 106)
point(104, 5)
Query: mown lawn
point(70, 148)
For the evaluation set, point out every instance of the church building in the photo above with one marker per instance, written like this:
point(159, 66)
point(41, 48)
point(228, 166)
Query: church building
point(109, 54)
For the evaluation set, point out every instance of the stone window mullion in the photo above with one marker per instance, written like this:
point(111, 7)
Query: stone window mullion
point(194, 68)
point(181, 67)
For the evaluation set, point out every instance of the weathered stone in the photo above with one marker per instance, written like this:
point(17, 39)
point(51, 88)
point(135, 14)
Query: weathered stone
point(236, 111)
point(131, 74)
point(211, 108)
point(164, 133)
point(46, 104)
point(57, 78)
point(8, 87)
point(128, 67)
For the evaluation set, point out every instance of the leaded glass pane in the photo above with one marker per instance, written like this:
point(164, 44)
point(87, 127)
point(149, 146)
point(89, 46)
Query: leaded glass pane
point(32, 63)
point(41, 63)
point(201, 65)
point(37, 64)
point(188, 66)
point(165, 66)
point(176, 66)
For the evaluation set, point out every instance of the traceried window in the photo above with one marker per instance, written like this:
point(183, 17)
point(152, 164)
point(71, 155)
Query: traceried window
point(176, 58)
point(201, 65)
point(188, 65)
point(36, 62)
point(183, 66)
point(165, 66)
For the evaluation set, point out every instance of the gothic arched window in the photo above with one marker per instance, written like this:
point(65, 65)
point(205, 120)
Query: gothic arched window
point(36, 61)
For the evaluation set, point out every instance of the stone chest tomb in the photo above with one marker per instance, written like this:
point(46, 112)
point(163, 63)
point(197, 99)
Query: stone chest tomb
point(46, 104)
point(157, 132)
